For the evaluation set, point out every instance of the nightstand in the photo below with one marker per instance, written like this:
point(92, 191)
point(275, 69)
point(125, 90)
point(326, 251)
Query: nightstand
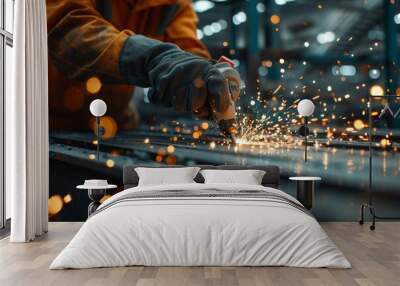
point(96, 190)
point(305, 190)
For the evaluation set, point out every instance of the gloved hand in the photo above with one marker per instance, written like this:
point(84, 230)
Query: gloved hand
point(177, 78)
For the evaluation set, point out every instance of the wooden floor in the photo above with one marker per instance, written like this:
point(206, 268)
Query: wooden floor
point(375, 257)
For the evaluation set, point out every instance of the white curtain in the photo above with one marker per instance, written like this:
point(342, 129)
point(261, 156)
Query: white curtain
point(27, 124)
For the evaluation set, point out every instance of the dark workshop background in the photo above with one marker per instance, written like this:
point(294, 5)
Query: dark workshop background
point(334, 52)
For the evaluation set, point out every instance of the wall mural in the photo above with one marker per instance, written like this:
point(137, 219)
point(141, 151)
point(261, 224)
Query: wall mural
point(108, 50)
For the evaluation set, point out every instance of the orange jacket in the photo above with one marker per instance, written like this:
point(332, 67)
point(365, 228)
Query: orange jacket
point(85, 38)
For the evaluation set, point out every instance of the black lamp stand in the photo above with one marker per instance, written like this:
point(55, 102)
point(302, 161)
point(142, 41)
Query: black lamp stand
point(98, 137)
point(370, 204)
point(305, 137)
point(304, 132)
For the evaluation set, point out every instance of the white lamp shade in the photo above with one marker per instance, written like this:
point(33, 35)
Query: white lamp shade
point(305, 107)
point(98, 107)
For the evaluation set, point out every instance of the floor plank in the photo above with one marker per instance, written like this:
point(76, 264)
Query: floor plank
point(375, 257)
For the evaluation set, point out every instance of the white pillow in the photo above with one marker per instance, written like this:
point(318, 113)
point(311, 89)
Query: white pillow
point(248, 177)
point(166, 176)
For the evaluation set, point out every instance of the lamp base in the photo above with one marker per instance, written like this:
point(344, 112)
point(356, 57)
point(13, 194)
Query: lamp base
point(374, 216)
point(371, 211)
point(95, 196)
point(305, 193)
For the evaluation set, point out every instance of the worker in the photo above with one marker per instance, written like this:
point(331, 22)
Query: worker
point(105, 48)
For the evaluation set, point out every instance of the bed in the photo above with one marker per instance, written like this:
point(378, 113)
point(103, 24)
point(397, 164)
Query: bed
point(197, 224)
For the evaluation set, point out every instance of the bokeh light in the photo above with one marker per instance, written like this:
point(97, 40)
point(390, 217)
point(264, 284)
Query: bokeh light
point(110, 163)
point(385, 142)
point(204, 125)
point(93, 85)
point(196, 134)
point(275, 19)
point(108, 124)
point(67, 198)
point(55, 204)
point(358, 124)
point(377, 90)
point(212, 145)
point(171, 149)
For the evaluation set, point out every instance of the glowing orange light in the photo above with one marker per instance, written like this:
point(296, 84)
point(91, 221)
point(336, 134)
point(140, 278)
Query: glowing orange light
point(93, 85)
point(108, 124)
point(164, 130)
point(196, 134)
point(91, 157)
point(358, 124)
point(159, 158)
point(55, 204)
point(110, 163)
point(275, 19)
point(170, 149)
point(377, 90)
point(110, 127)
point(204, 125)
point(398, 91)
point(384, 142)
point(67, 198)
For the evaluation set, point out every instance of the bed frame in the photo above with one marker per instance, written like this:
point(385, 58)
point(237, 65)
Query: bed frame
point(270, 179)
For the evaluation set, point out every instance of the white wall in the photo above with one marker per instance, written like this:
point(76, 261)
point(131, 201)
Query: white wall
point(8, 85)
point(9, 26)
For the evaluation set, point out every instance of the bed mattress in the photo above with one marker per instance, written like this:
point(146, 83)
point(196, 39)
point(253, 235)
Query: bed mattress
point(201, 225)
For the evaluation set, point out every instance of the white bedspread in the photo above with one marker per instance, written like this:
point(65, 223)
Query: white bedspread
point(200, 231)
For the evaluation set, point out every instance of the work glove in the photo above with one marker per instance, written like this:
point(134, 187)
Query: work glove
point(176, 78)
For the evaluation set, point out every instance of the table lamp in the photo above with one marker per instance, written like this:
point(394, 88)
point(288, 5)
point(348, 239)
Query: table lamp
point(305, 108)
point(98, 108)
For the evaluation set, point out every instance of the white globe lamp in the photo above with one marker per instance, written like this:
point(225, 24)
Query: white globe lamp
point(98, 108)
point(305, 108)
